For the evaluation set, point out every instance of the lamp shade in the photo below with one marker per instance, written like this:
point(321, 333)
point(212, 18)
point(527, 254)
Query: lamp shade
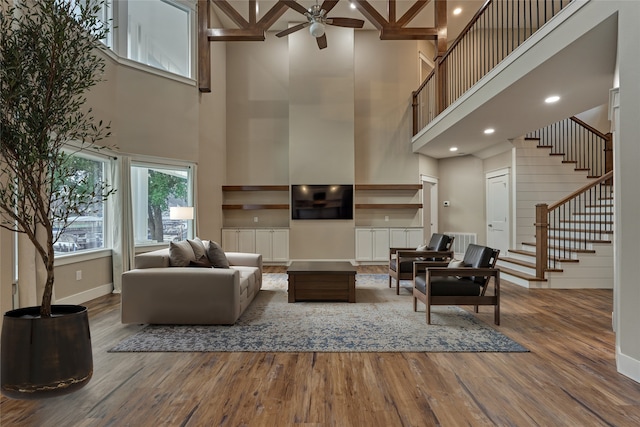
point(317, 29)
point(181, 212)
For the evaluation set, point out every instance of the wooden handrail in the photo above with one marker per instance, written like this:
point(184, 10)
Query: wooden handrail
point(589, 127)
point(581, 190)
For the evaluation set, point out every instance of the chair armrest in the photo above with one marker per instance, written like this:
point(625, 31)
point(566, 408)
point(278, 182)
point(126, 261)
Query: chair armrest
point(426, 254)
point(393, 251)
point(428, 265)
point(462, 272)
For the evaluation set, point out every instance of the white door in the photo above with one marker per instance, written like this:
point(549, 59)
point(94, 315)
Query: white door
point(498, 201)
point(429, 207)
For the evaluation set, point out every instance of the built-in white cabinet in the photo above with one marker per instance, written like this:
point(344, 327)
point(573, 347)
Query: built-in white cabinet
point(372, 244)
point(239, 240)
point(406, 237)
point(273, 244)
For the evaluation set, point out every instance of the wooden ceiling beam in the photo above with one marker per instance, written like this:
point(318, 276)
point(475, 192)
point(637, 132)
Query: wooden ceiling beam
point(235, 34)
point(412, 12)
point(370, 12)
point(272, 15)
point(254, 30)
point(204, 51)
point(396, 33)
point(233, 14)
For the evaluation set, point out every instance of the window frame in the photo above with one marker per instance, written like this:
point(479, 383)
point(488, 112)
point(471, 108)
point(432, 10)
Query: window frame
point(158, 164)
point(120, 29)
point(107, 244)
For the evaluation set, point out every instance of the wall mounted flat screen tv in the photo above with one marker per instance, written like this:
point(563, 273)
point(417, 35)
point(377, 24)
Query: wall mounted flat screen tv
point(322, 201)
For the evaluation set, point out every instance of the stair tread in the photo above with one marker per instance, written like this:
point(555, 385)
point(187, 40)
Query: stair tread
point(567, 250)
point(517, 261)
point(573, 239)
point(521, 275)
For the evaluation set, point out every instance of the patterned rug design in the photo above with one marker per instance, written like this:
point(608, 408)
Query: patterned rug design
point(380, 321)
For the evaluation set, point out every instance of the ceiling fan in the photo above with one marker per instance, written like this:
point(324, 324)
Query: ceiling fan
point(317, 19)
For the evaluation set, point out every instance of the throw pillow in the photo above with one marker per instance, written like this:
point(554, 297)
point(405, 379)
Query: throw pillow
point(216, 256)
point(198, 247)
point(455, 263)
point(422, 248)
point(202, 262)
point(180, 254)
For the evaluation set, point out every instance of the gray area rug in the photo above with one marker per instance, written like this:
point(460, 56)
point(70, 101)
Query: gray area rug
point(380, 321)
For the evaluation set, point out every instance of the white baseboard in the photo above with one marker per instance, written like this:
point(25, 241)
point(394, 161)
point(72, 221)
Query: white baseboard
point(87, 295)
point(628, 366)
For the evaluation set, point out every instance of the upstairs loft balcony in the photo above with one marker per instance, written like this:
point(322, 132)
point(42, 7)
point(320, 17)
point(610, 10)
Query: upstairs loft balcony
point(572, 55)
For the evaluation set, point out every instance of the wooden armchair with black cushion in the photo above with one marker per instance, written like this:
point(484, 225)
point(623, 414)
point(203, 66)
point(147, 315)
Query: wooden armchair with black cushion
point(401, 260)
point(464, 284)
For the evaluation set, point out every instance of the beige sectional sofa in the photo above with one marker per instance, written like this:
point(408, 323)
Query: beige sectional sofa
point(156, 292)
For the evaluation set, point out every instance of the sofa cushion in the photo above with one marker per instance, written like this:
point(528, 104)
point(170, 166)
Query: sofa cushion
point(216, 255)
point(202, 262)
point(198, 247)
point(180, 254)
point(448, 286)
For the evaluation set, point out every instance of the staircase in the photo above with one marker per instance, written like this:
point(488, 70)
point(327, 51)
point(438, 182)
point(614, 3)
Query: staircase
point(580, 257)
point(576, 232)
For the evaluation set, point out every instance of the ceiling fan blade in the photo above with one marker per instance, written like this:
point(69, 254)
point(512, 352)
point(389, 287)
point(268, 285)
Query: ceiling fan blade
point(346, 22)
point(328, 5)
point(295, 6)
point(292, 29)
point(322, 41)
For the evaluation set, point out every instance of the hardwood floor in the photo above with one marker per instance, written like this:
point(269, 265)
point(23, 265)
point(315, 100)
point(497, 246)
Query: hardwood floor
point(568, 379)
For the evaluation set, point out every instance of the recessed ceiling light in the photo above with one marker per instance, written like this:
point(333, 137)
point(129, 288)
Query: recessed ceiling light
point(352, 5)
point(457, 11)
point(489, 131)
point(453, 149)
point(552, 99)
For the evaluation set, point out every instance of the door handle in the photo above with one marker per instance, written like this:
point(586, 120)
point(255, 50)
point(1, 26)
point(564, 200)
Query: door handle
point(490, 225)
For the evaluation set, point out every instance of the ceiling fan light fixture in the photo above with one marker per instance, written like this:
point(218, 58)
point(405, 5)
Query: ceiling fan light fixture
point(317, 29)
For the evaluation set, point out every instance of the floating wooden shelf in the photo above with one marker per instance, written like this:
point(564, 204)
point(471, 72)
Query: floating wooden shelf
point(388, 205)
point(255, 207)
point(395, 187)
point(255, 188)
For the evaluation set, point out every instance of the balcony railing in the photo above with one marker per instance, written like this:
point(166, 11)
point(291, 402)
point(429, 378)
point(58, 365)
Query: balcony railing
point(494, 32)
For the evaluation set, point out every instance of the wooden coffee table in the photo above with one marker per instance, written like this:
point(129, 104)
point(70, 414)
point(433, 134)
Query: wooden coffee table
point(322, 281)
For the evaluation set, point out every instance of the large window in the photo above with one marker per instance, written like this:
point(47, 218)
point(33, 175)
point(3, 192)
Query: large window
point(154, 191)
point(159, 35)
point(87, 230)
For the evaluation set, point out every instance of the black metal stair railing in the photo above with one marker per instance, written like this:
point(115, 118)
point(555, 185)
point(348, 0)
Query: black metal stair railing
point(579, 143)
point(574, 223)
point(494, 32)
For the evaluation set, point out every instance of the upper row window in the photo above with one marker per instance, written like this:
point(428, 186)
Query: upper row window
point(159, 35)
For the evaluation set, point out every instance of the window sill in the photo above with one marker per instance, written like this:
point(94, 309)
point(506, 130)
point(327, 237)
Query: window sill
point(81, 257)
point(147, 68)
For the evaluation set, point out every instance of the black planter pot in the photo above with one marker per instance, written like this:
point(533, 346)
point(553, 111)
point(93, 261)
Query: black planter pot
point(45, 357)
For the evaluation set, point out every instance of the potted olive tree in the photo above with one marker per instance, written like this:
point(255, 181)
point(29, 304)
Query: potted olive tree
point(48, 60)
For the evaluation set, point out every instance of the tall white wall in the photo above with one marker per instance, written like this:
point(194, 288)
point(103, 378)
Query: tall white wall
point(321, 135)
